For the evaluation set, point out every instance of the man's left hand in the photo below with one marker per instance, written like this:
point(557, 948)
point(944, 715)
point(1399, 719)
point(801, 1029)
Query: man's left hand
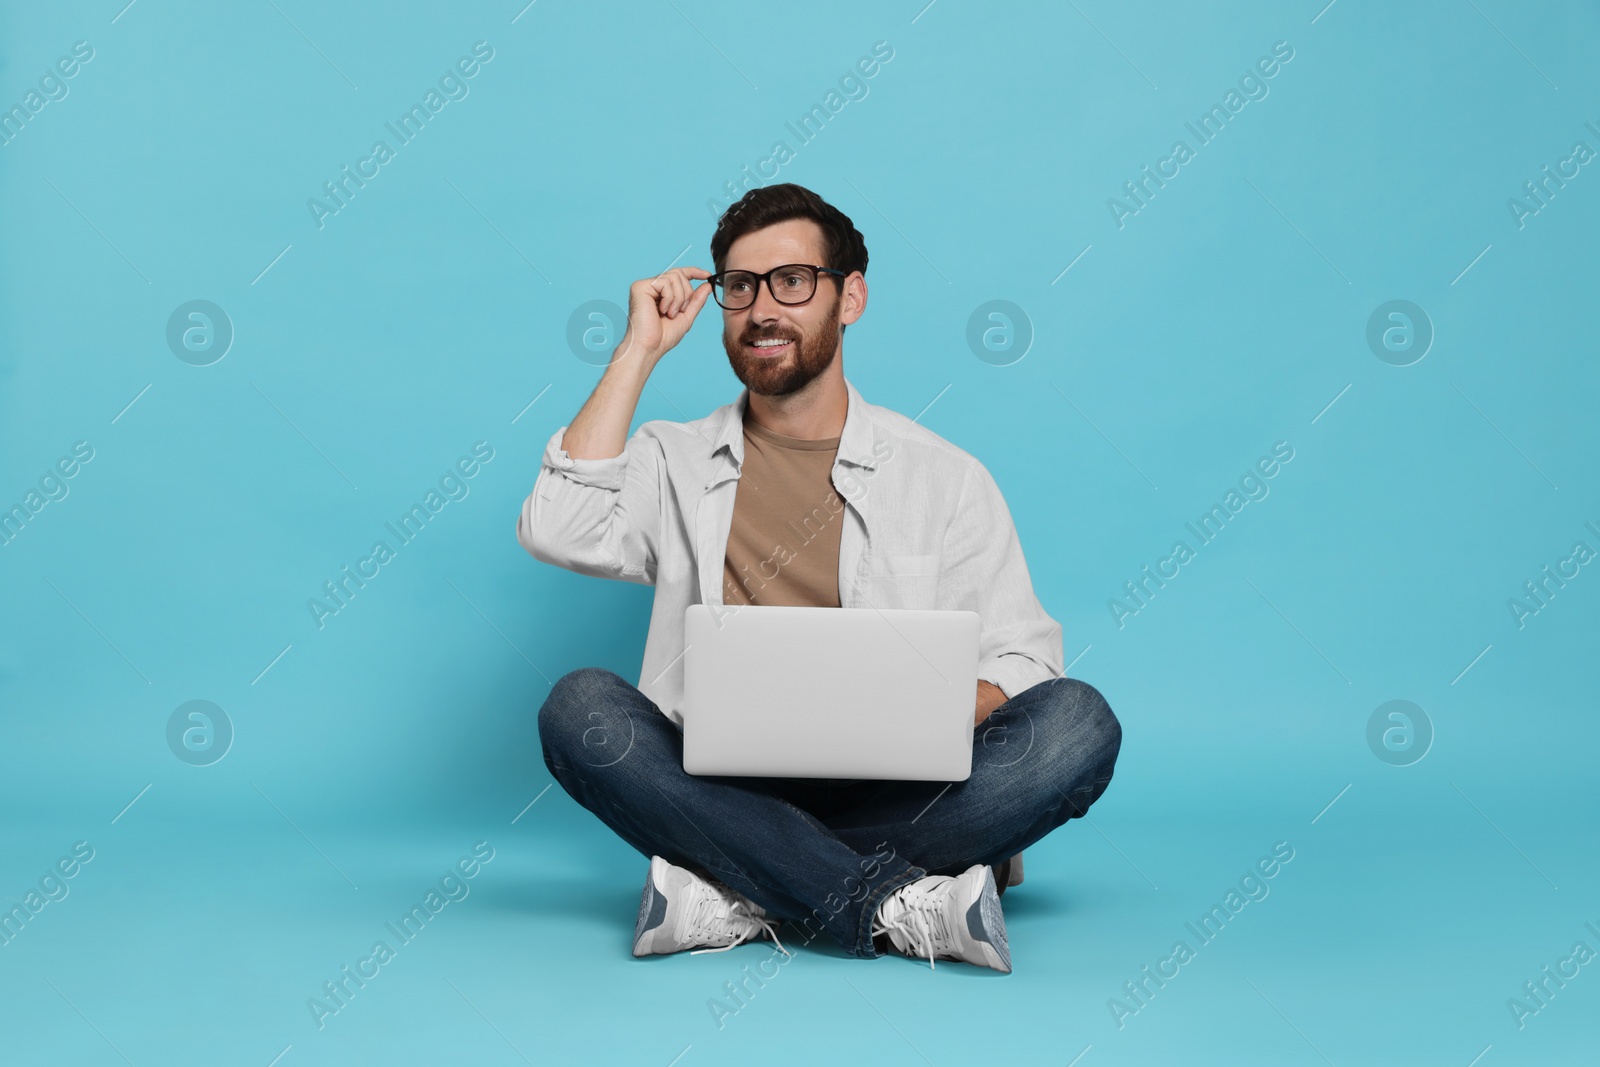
point(990, 696)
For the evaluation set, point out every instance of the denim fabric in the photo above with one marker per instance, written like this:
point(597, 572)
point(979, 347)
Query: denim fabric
point(825, 853)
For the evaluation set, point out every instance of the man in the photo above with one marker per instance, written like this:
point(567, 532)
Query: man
point(800, 492)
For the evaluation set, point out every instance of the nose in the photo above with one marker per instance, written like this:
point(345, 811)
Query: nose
point(765, 308)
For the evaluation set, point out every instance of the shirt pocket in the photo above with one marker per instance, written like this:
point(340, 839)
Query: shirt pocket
point(906, 567)
point(902, 581)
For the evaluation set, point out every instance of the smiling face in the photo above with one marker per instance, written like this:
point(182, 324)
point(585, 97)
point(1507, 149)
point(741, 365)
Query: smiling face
point(808, 333)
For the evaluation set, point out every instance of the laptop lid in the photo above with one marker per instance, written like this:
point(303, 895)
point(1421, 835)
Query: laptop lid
point(801, 692)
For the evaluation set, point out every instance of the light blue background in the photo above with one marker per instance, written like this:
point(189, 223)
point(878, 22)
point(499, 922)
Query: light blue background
point(1228, 314)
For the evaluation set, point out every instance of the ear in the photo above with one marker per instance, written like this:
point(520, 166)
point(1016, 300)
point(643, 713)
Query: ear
point(853, 300)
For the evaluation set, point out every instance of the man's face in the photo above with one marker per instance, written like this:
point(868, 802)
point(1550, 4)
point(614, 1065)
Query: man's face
point(811, 330)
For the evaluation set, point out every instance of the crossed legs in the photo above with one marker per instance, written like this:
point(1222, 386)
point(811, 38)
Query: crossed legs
point(826, 856)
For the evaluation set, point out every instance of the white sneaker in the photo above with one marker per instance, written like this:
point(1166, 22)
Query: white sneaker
point(679, 910)
point(948, 918)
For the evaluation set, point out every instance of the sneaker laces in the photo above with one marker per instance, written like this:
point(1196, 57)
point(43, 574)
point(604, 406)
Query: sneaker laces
point(719, 912)
point(914, 916)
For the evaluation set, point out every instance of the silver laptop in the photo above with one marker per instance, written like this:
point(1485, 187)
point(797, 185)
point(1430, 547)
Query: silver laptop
point(792, 692)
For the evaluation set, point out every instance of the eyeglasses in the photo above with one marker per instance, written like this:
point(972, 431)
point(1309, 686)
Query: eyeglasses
point(792, 283)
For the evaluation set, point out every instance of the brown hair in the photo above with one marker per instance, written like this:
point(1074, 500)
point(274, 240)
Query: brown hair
point(843, 247)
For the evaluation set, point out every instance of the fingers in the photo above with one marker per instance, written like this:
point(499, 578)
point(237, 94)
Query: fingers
point(675, 291)
point(696, 301)
point(684, 300)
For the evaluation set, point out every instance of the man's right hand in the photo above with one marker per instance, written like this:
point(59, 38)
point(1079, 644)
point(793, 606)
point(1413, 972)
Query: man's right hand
point(660, 312)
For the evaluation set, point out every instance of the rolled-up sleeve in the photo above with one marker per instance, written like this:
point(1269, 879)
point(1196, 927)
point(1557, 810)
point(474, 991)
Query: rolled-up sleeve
point(982, 569)
point(600, 517)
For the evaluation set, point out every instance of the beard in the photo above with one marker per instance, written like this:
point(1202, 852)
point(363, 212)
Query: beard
point(809, 355)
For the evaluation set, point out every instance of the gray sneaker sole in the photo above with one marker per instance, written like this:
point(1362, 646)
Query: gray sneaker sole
point(652, 913)
point(986, 923)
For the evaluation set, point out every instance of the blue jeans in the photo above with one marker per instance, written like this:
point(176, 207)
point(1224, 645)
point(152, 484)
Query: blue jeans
point(825, 853)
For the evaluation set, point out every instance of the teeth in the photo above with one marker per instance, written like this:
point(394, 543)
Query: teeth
point(770, 344)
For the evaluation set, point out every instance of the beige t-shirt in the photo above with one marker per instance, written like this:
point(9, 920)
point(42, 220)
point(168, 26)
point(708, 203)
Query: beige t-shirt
point(783, 545)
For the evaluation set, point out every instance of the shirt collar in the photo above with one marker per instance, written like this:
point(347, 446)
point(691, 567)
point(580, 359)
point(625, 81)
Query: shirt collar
point(855, 440)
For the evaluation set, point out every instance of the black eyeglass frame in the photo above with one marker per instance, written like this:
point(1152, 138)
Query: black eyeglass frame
point(716, 281)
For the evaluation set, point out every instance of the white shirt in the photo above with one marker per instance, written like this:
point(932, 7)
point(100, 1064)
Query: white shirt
point(925, 526)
